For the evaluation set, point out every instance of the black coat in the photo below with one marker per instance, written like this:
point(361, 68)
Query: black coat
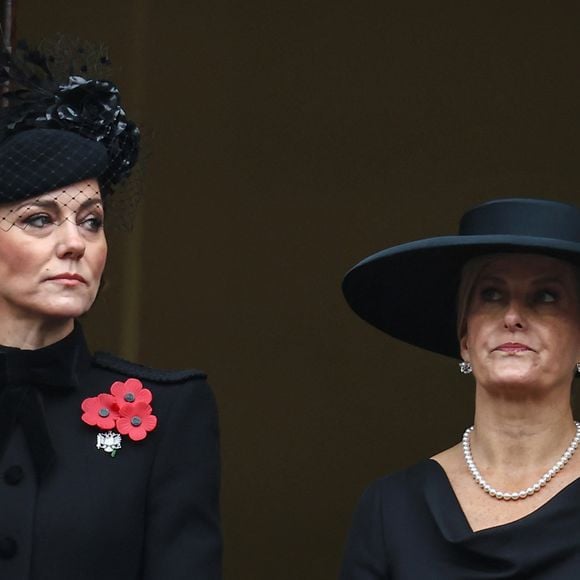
point(150, 512)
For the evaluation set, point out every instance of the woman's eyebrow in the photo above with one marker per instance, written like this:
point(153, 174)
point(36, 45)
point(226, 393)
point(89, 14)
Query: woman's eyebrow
point(46, 203)
point(548, 280)
point(55, 206)
point(91, 201)
point(542, 279)
point(491, 278)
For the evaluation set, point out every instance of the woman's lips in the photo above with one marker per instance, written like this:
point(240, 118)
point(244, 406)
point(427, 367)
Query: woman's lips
point(513, 347)
point(68, 279)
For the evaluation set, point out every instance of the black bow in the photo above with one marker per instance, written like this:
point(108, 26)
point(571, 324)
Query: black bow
point(24, 375)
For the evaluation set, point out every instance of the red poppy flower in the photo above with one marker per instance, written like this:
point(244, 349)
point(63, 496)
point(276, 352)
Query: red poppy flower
point(131, 391)
point(101, 411)
point(136, 420)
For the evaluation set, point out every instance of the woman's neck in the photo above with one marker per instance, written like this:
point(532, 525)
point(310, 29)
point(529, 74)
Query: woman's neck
point(515, 434)
point(33, 334)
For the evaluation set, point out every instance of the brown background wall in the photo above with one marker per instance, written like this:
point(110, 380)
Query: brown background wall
point(290, 139)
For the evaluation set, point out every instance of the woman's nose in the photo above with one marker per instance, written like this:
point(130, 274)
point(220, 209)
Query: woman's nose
point(71, 244)
point(514, 316)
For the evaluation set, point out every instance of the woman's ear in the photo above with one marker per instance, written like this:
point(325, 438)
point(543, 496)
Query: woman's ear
point(464, 348)
point(578, 360)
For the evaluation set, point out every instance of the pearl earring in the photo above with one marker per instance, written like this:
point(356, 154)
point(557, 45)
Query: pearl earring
point(578, 367)
point(466, 368)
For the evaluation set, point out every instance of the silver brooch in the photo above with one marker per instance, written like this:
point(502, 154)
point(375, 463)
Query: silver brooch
point(110, 442)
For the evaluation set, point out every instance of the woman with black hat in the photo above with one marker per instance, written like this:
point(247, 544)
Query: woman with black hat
point(503, 296)
point(108, 469)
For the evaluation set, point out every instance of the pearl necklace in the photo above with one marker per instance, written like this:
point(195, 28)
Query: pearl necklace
point(524, 493)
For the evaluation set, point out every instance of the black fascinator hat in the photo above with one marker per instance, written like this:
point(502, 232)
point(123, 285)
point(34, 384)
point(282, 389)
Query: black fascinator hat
point(58, 131)
point(410, 291)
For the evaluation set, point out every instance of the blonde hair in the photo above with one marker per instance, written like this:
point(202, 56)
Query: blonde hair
point(469, 275)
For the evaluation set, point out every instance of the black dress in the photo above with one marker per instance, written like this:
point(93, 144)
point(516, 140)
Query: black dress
point(410, 526)
point(72, 511)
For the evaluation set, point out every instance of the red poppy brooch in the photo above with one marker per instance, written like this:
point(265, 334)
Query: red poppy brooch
point(127, 408)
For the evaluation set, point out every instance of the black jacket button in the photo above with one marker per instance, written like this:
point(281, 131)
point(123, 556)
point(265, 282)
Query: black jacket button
point(13, 475)
point(8, 547)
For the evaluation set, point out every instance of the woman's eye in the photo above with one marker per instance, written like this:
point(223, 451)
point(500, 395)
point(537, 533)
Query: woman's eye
point(92, 223)
point(37, 220)
point(491, 294)
point(546, 296)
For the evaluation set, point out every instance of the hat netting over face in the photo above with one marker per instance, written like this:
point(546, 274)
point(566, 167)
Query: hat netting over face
point(80, 203)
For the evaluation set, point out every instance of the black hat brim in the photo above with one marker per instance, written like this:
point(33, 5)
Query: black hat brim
point(410, 291)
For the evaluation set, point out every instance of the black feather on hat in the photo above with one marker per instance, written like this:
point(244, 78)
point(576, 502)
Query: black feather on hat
point(54, 133)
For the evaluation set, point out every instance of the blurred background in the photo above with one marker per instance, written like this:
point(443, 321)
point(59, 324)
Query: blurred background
point(285, 141)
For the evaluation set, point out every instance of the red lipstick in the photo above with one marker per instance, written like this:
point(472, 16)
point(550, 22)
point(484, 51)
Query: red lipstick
point(513, 347)
point(68, 277)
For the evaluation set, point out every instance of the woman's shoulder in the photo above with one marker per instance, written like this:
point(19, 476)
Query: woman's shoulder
point(392, 500)
point(407, 481)
point(175, 395)
point(115, 364)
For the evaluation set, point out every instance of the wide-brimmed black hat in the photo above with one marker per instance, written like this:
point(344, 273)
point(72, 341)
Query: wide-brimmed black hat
point(410, 291)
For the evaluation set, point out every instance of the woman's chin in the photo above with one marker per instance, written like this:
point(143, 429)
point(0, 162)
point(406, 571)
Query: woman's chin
point(517, 382)
point(515, 374)
point(63, 310)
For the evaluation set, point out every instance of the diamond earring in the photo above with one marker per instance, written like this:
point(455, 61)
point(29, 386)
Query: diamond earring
point(466, 369)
